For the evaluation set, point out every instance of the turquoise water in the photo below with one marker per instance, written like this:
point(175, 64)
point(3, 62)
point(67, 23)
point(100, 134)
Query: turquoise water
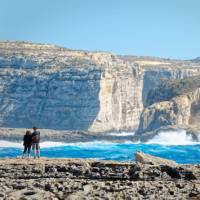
point(111, 151)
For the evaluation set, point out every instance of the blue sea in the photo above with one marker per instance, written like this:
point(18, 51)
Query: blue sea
point(176, 146)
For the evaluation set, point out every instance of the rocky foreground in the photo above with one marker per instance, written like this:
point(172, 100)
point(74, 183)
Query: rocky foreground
point(148, 178)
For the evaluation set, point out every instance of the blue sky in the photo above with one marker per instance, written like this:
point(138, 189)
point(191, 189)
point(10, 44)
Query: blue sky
point(163, 28)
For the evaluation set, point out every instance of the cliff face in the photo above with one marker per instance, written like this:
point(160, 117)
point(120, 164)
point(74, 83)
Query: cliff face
point(157, 76)
point(175, 104)
point(58, 88)
point(120, 99)
point(48, 86)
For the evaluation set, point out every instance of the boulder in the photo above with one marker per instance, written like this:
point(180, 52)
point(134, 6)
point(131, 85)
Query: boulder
point(148, 159)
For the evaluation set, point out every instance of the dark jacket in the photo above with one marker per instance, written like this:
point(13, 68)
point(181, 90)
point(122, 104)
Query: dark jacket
point(27, 140)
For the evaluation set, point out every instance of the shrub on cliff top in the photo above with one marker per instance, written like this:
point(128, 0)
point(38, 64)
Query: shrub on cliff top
point(172, 88)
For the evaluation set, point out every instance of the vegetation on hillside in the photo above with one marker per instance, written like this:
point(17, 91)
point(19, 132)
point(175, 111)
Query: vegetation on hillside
point(172, 88)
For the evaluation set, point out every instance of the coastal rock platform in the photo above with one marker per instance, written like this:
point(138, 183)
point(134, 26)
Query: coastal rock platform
point(80, 179)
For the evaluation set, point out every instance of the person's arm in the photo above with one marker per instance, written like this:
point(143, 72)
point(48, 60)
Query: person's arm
point(30, 139)
point(24, 140)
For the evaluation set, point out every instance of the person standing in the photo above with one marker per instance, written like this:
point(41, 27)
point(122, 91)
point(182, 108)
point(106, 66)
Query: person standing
point(27, 143)
point(36, 142)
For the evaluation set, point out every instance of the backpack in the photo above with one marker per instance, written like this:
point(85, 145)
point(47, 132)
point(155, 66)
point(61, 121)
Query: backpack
point(36, 136)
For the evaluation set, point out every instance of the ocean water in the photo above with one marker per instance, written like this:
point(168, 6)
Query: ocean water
point(172, 145)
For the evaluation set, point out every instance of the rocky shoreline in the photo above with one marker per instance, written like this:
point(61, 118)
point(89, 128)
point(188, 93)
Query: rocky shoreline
point(146, 178)
point(65, 136)
point(16, 135)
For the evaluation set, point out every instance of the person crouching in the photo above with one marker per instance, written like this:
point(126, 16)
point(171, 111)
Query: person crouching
point(27, 143)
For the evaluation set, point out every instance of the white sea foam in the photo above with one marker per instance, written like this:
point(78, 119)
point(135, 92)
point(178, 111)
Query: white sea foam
point(96, 144)
point(179, 137)
point(49, 144)
point(122, 134)
point(4, 143)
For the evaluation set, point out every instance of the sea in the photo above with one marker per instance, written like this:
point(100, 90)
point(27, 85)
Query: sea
point(173, 145)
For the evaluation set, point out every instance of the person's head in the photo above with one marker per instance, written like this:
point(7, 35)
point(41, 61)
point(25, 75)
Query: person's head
point(34, 128)
point(28, 133)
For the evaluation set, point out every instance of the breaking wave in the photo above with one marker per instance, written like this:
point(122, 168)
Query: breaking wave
point(179, 137)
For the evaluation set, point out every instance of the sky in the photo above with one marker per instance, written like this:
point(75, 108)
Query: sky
point(161, 28)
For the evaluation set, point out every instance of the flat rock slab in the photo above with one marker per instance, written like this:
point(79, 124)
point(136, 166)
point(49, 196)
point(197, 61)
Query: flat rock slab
point(149, 159)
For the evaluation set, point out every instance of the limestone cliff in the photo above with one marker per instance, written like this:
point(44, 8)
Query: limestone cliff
point(175, 103)
point(59, 88)
point(120, 99)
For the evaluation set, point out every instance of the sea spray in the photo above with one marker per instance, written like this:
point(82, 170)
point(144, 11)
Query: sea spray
point(179, 137)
